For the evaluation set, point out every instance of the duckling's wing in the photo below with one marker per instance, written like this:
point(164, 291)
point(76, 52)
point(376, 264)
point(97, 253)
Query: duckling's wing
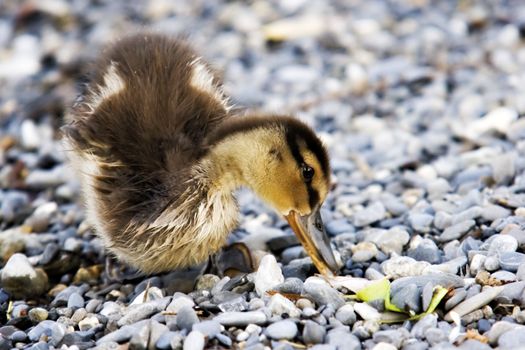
point(142, 122)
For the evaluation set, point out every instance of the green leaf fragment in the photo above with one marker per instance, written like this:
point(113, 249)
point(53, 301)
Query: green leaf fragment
point(375, 291)
point(437, 296)
point(380, 290)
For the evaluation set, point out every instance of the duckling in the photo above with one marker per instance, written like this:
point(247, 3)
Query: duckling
point(159, 155)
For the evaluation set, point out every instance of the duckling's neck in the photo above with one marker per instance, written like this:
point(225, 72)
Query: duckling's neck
point(235, 160)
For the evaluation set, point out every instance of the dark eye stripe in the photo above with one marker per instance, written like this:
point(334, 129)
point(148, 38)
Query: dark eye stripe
point(313, 195)
point(291, 140)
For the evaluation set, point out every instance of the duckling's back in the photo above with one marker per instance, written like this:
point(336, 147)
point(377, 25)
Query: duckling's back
point(140, 126)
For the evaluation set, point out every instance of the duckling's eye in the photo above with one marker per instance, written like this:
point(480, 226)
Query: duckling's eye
point(308, 172)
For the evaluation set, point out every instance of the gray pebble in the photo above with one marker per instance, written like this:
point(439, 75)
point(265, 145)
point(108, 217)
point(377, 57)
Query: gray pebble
point(456, 231)
point(194, 341)
point(142, 311)
point(427, 251)
point(75, 301)
point(458, 296)
point(241, 318)
point(140, 338)
point(396, 337)
point(169, 340)
point(343, 339)
point(408, 298)
point(419, 329)
point(511, 261)
point(372, 213)
point(420, 222)
point(346, 315)
point(513, 339)
point(282, 330)
point(209, 328)
point(500, 244)
point(291, 285)
point(504, 276)
point(313, 333)
point(324, 295)
point(186, 318)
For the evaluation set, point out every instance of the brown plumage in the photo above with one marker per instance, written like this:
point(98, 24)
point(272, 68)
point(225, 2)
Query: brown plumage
point(159, 153)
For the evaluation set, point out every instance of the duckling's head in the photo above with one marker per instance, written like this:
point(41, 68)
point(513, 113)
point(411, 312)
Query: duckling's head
point(284, 162)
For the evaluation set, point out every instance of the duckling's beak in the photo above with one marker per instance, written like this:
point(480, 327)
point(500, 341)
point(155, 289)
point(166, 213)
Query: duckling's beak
point(312, 235)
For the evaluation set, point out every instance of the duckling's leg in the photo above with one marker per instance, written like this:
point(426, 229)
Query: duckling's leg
point(232, 260)
point(117, 271)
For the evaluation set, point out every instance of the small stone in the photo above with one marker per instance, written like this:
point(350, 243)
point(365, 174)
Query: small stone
point(364, 251)
point(169, 340)
point(304, 303)
point(501, 327)
point(75, 301)
point(194, 341)
point(491, 263)
point(186, 318)
point(292, 285)
point(142, 311)
point(456, 231)
point(156, 331)
point(18, 336)
point(207, 282)
point(123, 334)
point(373, 213)
point(384, 346)
point(178, 302)
point(73, 244)
point(513, 339)
point(484, 325)
point(389, 241)
point(78, 315)
point(427, 251)
point(504, 276)
point(323, 294)
point(420, 222)
point(511, 261)
point(420, 328)
point(459, 295)
point(39, 220)
point(224, 340)
point(313, 333)
point(88, 323)
point(474, 302)
point(394, 337)
point(402, 266)
point(442, 220)
point(367, 312)
point(209, 328)
point(140, 338)
point(435, 336)
point(268, 275)
point(38, 314)
point(520, 274)
point(343, 339)
point(149, 294)
point(280, 305)
point(240, 319)
point(282, 330)
point(493, 212)
point(408, 298)
point(21, 280)
point(346, 315)
point(502, 244)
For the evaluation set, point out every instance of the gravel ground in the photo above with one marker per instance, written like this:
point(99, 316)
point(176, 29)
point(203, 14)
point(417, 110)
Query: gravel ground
point(421, 105)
